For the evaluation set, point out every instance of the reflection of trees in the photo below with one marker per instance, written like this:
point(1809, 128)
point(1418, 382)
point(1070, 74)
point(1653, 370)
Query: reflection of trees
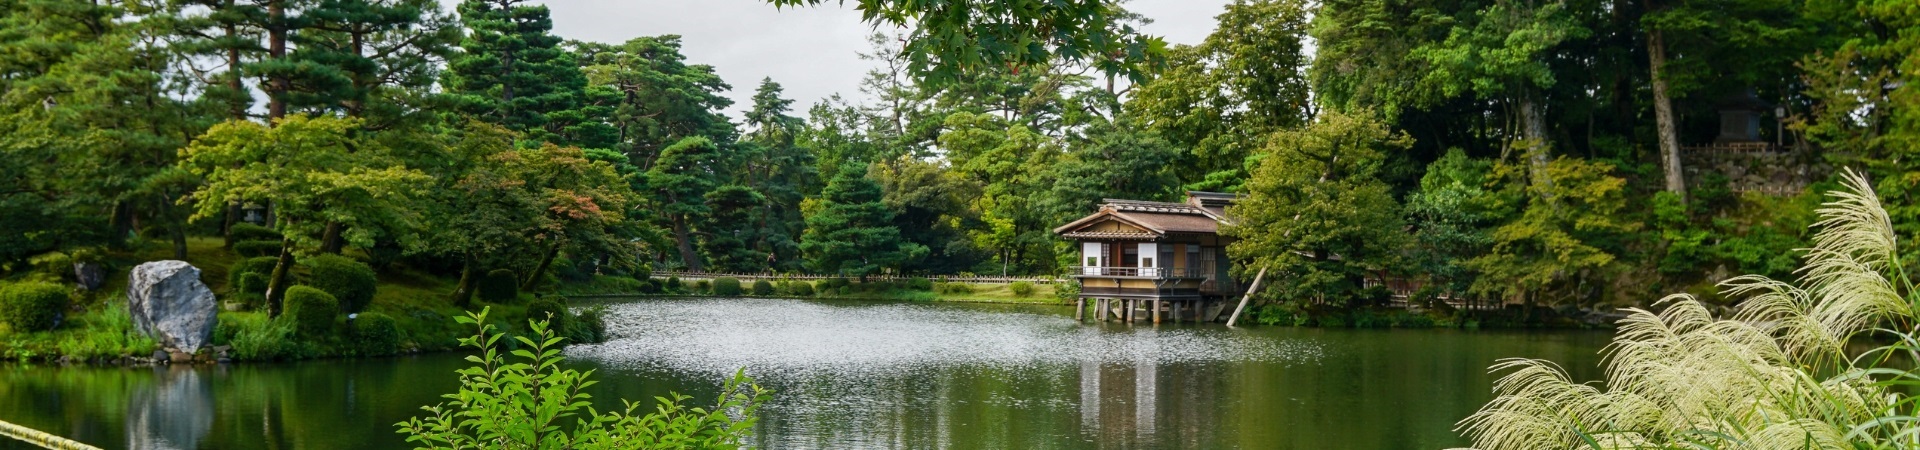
point(174, 413)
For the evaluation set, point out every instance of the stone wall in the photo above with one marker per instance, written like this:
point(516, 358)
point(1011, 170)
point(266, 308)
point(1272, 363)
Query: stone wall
point(1751, 167)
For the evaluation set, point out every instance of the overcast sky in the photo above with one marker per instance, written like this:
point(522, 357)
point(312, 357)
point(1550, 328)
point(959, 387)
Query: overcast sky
point(812, 52)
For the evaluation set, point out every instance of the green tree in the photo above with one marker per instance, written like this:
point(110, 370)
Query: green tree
point(945, 41)
point(1317, 217)
point(681, 179)
point(659, 99)
point(1221, 98)
point(315, 171)
point(851, 232)
point(512, 70)
point(1561, 235)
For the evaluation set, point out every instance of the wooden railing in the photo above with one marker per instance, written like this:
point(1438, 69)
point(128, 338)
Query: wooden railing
point(41, 438)
point(1140, 272)
point(889, 277)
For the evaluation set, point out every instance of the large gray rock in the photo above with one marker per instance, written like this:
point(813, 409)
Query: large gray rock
point(169, 303)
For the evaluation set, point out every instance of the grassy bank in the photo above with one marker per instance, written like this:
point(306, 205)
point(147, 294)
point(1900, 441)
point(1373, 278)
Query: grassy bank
point(409, 312)
point(916, 290)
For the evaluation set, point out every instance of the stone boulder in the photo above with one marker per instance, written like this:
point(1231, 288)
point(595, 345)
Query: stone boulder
point(90, 275)
point(169, 303)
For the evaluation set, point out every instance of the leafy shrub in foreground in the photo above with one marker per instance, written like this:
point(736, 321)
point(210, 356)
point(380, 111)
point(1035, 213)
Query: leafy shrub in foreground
point(547, 310)
point(1021, 288)
point(32, 306)
point(311, 310)
point(499, 285)
point(375, 334)
point(762, 288)
point(726, 286)
point(351, 282)
point(530, 401)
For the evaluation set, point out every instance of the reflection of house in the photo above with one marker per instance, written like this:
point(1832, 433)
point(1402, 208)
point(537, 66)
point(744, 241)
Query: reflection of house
point(1154, 257)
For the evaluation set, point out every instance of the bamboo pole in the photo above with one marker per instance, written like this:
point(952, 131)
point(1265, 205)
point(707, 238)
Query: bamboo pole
point(1244, 298)
point(40, 438)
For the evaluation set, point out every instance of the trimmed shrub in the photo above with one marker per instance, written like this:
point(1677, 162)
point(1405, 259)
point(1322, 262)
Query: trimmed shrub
point(499, 285)
point(726, 286)
point(375, 334)
point(1066, 291)
point(262, 266)
point(350, 281)
point(800, 289)
point(674, 286)
point(255, 249)
point(702, 286)
point(920, 284)
point(32, 306)
point(642, 271)
point(589, 326)
point(242, 232)
point(834, 284)
point(762, 288)
point(649, 286)
point(311, 310)
point(554, 313)
point(54, 266)
point(251, 289)
point(954, 288)
point(1021, 288)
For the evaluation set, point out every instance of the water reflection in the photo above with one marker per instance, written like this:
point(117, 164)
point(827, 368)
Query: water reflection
point(172, 414)
point(862, 375)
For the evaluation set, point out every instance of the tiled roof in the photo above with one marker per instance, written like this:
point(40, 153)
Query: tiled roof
point(1203, 213)
point(1186, 222)
point(1109, 235)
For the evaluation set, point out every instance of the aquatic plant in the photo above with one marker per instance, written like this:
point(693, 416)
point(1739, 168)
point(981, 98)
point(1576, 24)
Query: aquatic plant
point(1776, 374)
point(531, 402)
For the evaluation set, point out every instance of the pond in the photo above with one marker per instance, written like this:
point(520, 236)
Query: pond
point(864, 375)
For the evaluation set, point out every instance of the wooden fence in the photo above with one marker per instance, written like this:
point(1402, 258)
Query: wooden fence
point(792, 276)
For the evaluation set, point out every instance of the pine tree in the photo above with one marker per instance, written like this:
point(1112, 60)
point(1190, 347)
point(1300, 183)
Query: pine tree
point(513, 71)
point(851, 232)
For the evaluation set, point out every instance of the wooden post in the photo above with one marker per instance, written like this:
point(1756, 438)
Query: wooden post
point(1080, 309)
point(1155, 304)
point(1128, 314)
point(1100, 309)
point(1244, 298)
point(1176, 310)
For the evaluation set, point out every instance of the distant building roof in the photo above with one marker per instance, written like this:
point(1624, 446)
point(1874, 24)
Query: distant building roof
point(1203, 212)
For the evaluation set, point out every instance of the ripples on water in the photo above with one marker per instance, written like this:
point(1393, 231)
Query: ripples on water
point(782, 338)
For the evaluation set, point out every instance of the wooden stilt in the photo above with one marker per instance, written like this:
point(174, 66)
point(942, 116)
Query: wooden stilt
point(1100, 309)
point(1155, 304)
point(1080, 309)
point(1130, 308)
point(1176, 310)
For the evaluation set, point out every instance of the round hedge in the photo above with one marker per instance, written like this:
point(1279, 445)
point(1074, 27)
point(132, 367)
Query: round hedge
point(762, 288)
point(702, 286)
point(1021, 288)
point(589, 327)
point(351, 282)
point(500, 285)
point(375, 334)
point(261, 265)
point(249, 232)
point(254, 249)
point(311, 310)
point(920, 284)
point(673, 285)
point(800, 289)
point(32, 306)
point(726, 286)
point(554, 313)
point(834, 284)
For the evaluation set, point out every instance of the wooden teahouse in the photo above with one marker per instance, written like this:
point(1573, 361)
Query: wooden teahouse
point(1156, 258)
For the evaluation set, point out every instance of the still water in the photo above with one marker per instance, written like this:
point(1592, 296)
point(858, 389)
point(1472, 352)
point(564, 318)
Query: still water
point(864, 375)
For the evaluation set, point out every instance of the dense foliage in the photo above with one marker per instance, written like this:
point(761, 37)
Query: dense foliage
point(349, 281)
point(311, 311)
point(32, 306)
point(526, 399)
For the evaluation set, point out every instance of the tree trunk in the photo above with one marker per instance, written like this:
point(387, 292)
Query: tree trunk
point(1533, 124)
point(330, 240)
point(236, 107)
point(685, 242)
point(277, 284)
point(1663, 117)
point(540, 271)
point(278, 85)
point(226, 224)
point(463, 294)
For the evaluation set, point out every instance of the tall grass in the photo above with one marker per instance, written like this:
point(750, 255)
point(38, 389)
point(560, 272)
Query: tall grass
point(1777, 374)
